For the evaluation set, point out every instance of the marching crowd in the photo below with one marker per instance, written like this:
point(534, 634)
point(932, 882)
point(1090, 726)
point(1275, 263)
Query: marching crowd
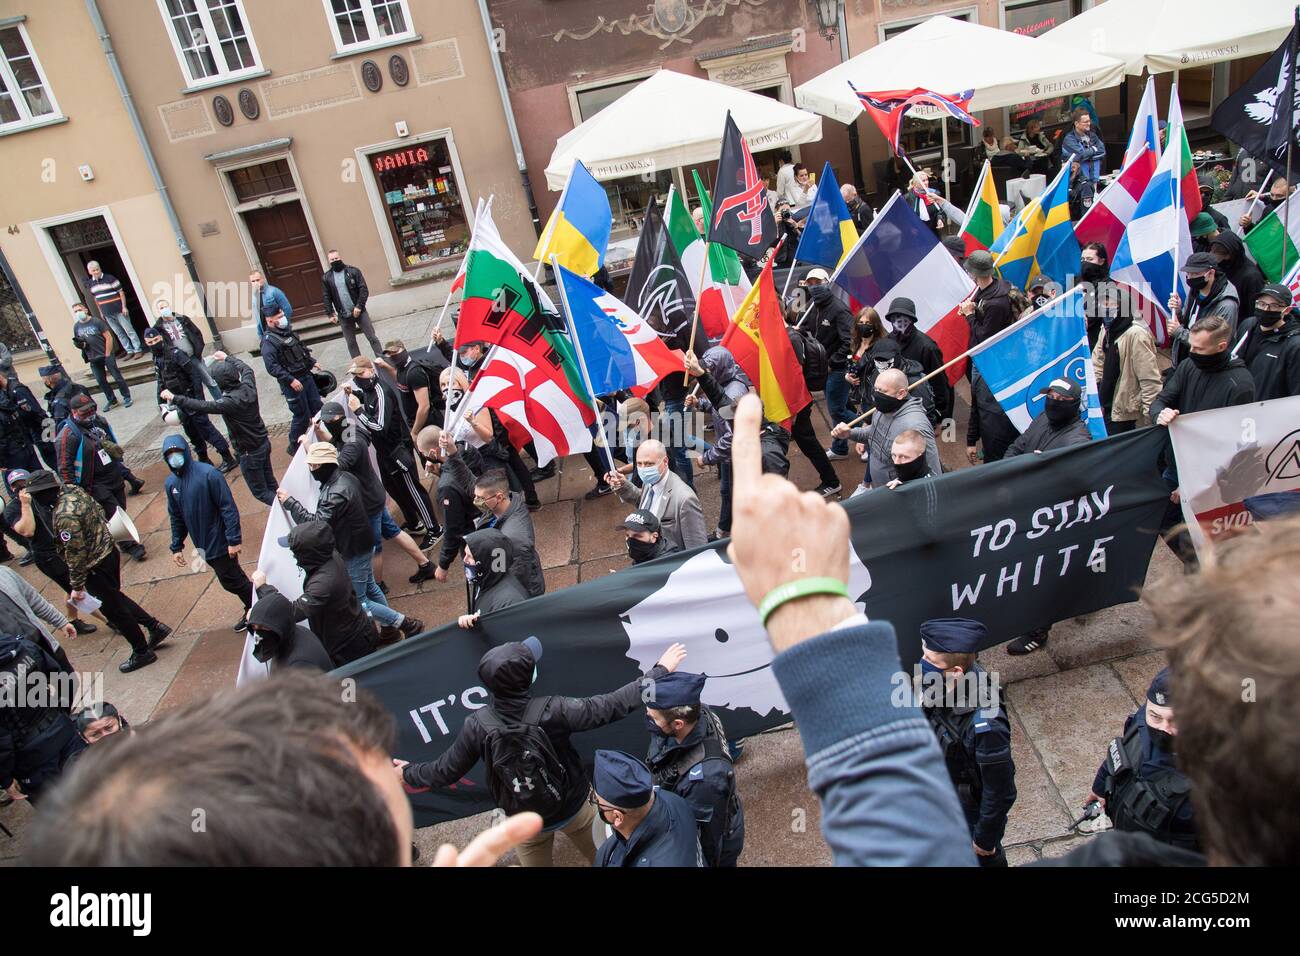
point(935, 787)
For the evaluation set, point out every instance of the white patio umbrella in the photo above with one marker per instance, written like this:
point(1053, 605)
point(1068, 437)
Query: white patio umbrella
point(675, 120)
point(1167, 35)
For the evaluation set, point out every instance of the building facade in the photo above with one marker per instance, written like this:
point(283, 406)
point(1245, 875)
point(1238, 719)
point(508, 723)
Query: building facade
point(281, 131)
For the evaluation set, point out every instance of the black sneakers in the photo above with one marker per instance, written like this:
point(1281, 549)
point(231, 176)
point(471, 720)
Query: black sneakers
point(158, 632)
point(81, 627)
point(227, 465)
point(1028, 643)
point(826, 490)
point(599, 491)
point(137, 661)
point(411, 626)
point(430, 540)
point(423, 573)
point(241, 624)
point(543, 473)
point(136, 484)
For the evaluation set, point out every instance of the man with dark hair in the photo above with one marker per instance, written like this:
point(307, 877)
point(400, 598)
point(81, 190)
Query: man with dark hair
point(101, 721)
point(290, 361)
point(914, 345)
point(644, 540)
point(508, 513)
point(345, 302)
point(688, 756)
point(91, 458)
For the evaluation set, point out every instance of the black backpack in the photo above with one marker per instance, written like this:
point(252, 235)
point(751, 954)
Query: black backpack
point(523, 771)
point(813, 360)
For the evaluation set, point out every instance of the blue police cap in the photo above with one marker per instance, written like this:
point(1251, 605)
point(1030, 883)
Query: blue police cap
point(156, 331)
point(1159, 693)
point(622, 780)
point(953, 635)
point(46, 370)
point(678, 689)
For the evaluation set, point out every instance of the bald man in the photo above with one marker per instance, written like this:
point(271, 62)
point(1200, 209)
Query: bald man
point(897, 411)
point(658, 490)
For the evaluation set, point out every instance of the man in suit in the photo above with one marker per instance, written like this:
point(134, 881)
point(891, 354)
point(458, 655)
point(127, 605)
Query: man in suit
point(663, 494)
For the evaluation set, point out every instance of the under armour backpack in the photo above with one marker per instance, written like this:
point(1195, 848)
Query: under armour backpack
point(523, 771)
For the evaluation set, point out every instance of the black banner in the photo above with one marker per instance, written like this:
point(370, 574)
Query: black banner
point(1017, 544)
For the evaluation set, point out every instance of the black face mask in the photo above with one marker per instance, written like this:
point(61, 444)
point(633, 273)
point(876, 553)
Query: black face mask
point(325, 472)
point(640, 551)
point(265, 647)
point(1092, 271)
point(1061, 411)
point(655, 729)
point(1197, 283)
point(1270, 317)
point(821, 293)
point(1210, 363)
point(400, 359)
point(46, 498)
point(1161, 740)
point(907, 471)
point(337, 266)
point(336, 429)
point(366, 384)
point(886, 404)
point(158, 348)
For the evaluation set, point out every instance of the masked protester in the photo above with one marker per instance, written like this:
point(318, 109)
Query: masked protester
point(644, 542)
point(505, 511)
point(457, 466)
point(915, 346)
point(345, 296)
point(989, 310)
point(90, 457)
point(489, 560)
point(176, 375)
point(897, 411)
point(1270, 344)
point(280, 642)
point(688, 756)
point(652, 826)
point(417, 376)
point(910, 461)
point(665, 495)
point(508, 671)
point(887, 354)
point(1139, 783)
point(831, 323)
point(1210, 293)
point(1123, 353)
point(974, 734)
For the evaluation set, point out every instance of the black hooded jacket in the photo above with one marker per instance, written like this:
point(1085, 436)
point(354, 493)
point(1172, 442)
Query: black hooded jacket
point(456, 492)
point(328, 603)
point(295, 646)
point(1273, 357)
point(1241, 272)
point(507, 672)
point(497, 584)
point(354, 458)
point(1192, 389)
point(237, 404)
point(341, 507)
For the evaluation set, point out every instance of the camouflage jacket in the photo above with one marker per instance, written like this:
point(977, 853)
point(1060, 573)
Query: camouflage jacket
point(81, 533)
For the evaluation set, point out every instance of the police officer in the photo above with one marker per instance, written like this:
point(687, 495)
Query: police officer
point(288, 359)
point(688, 756)
point(976, 741)
point(177, 374)
point(1138, 784)
point(100, 721)
point(37, 734)
point(90, 458)
point(60, 390)
point(652, 827)
point(22, 426)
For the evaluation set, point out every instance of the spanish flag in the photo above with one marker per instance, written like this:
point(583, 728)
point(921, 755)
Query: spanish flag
point(578, 231)
point(759, 341)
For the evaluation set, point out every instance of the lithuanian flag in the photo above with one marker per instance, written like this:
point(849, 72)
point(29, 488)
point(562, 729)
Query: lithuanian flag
point(759, 341)
point(984, 215)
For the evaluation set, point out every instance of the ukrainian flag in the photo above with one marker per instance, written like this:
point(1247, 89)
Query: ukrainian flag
point(828, 234)
point(1041, 238)
point(578, 231)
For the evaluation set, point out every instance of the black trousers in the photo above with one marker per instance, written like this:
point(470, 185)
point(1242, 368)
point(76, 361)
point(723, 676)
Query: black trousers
point(232, 577)
point(518, 474)
point(202, 433)
point(105, 582)
point(110, 499)
point(402, 482)
point(806, 438)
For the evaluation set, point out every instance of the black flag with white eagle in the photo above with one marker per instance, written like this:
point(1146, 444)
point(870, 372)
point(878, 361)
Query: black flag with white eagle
point(1261, 113)
point(1017, 544)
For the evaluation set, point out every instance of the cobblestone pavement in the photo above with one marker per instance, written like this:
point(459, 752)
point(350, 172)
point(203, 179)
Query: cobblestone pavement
point(1066, 701)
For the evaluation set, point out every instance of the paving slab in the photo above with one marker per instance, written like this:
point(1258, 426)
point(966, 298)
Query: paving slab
point(1138, 671)
point(1038, 812)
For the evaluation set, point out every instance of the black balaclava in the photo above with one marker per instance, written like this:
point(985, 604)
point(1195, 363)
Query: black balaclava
point(907, 471)
point(886, 404)
point(1061, 411)
point(1211, 363)
point(400, 359)
point(640, 551)
point(325, 471)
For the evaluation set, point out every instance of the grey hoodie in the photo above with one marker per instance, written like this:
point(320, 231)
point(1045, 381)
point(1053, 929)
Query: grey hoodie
point(879, 438)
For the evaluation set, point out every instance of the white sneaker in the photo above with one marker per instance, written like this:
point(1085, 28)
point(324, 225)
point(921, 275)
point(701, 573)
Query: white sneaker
point(835, 455)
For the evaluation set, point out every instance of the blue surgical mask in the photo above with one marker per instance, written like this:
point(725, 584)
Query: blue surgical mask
point(649, 475)
point(928, 668)
point(175, 461)
point(165, 313)
point(282, 324)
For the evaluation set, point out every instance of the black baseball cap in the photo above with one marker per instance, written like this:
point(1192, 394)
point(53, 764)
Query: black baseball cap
point(1200, 262)
point(640, 520)
point(1276, 290)
point(1064, 386)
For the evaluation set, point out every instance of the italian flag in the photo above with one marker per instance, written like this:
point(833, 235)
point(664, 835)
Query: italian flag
point(535, 383)
point(725, 284)
point(1276, 237)
point(984, 215)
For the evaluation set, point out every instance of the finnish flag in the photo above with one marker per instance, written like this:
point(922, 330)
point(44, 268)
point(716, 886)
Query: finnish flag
point(1049, 343)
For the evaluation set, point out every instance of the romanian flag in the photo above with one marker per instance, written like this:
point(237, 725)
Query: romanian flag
point(759, 341)
point(983, 222)
point(828, 233)
point(578, 231)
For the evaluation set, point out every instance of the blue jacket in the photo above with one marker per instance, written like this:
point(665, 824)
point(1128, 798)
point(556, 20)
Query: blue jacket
point(199, 504)
point(668, 836)
point(269, 302)
point(1087, 152)
point(876, 766)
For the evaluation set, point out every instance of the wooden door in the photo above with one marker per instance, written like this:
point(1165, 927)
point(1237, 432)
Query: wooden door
point(288, 255)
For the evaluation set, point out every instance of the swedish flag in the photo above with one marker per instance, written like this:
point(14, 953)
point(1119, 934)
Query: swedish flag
point(578, 231)
point(1041, 238)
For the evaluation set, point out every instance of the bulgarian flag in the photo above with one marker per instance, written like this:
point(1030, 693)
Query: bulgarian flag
point(758, 339)
point(725, 282)
point(984, 214)
point(531, 377)
point(1191, 187)
point(691, 250)
point(1277, 239)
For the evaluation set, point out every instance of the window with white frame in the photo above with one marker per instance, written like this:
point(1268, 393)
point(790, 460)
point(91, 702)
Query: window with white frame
point(212, 39)
point(25, 96)
point(361, 23)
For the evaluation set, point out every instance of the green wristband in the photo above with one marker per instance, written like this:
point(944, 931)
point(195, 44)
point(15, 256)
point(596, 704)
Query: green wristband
point(793, 590)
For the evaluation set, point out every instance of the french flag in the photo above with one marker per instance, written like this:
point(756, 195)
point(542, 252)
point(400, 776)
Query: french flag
point(1113, 209)
point(618, 348)
point(899, 256)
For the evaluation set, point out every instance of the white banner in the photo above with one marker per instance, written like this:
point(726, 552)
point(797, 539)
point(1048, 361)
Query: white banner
point(1228, 455)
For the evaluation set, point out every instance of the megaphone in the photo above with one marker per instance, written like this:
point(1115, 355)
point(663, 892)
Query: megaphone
point(122, 528)
point(171, 415)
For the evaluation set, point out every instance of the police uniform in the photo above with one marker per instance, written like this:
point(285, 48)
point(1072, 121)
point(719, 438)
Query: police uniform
point(666, 837)
point(698, 769)
point(976, 743)
point(36, 742)
point(1145, 791)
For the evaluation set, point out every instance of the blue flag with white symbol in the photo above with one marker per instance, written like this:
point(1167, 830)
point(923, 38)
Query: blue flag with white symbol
point(1049, 343)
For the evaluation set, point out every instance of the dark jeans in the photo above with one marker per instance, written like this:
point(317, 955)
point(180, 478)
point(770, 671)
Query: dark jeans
point(232, 577)
point(202, 433)
point(678, 461)
point(98, 366)
point(350, 326)
point(256, 469)
point(21, 456)
point(105, 582)
point(837, 406)
point(724, 491)
point(1180, 542)
point(806, 438)
point(303, 405)
point(518, 475)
